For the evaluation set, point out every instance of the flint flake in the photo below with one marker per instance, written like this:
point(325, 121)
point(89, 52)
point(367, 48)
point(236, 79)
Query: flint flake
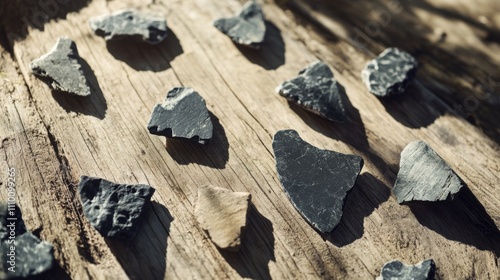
point(316, 181)
point(315, 90)
point(396, 270)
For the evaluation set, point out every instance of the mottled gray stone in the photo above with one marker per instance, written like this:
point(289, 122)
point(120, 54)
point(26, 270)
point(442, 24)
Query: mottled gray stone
point(247, 28)
point(130, 23)
point(62, 68)
point(183, 115)
point(390, 73)
point(32, 256)
point(114, 210)
point(424, 176)
point(315, 90)
point(396, 270)
point(316, 181)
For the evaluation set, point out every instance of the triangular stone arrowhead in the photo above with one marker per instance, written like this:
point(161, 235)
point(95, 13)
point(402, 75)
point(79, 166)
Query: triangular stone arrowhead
point(424, 176)
point(183, 115)
point(114, 210)
point(247, 28)
point(223, 214)
point(62, 68)
point(316, 181)
point(396, 270)
point(315, 90)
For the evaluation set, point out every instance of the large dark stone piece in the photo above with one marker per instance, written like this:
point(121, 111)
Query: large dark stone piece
point(61, 68)
point(390, 73)
point(32, 256)
point(396, 270)
point(130, 23)
point(183, 115)
point(114, 210)
point(424, 176)
point(247, 28)
point(316, 181)
point(315, 90)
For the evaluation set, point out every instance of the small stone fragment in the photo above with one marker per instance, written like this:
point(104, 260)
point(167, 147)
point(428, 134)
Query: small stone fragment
point(114, 210)
point(62, 68)
point(390, 73)
point(316, 181)
point(223, 214)
point(31, 256)
point(315, 90)
point(396, 270)
point(130, 23)
point(247, 28)
point(424, 176)
point(183, 115)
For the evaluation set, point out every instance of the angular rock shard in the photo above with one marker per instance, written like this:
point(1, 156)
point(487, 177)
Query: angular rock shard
point(223, 214)
point(316, 181)
point(390, 73)
point(62, 69)
point(247, 28)
point(396, 270)
point(32, 256)
point(424, 176)
point(183, 115)
point(130, 23)
point(114, 210)
point(315, 90)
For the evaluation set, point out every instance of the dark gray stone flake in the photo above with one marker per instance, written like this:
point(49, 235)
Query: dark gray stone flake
point(396, 270)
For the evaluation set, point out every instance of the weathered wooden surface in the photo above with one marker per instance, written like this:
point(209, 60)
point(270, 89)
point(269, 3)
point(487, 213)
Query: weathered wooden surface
point(51, 140)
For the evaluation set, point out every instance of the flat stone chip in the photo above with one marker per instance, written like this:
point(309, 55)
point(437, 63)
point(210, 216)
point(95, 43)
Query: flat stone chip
point(32, 256)
point(315, 90)
point(316, 181)
point(114, 210)
point(247, 28)
point(390, 73)
point(424, 176)
point(223, 214)
point(396, 270)
point(130, 23)
point(62, 68)
point(183, 115)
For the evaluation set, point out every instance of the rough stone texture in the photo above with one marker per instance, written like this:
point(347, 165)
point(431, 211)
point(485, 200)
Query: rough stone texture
point(315, 90)
point(114, 210)
point(223, 214)
point(390, 73)
point(61, 68)
point(396, 270)
point(32, 256)
point(130, 23)
point(183, 115)
point(247, 28)
point(315, 180)
point(424, 176)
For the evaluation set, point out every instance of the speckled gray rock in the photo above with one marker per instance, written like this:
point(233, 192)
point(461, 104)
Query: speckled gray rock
point(114, 210)
point(61, 68)
point(396, 270)
point(32, 256)
point(315, 90)
point(424, 176)
point(130, 23)
point(390, 73)
point(247, 28)
point(183, 115)
point(316, 181)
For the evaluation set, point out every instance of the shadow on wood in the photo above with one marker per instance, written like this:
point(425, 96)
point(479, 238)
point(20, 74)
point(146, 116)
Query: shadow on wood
point(271, 55)
point(463, 219)
point(93, 105)
point(361, 201)
point(145, 257)
point(142, 56)
point(257, 248)
point(215, 154)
